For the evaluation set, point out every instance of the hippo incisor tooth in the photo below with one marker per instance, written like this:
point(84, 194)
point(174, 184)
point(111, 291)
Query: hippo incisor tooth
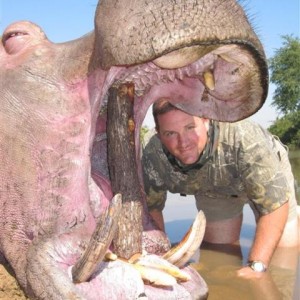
point(99, 243)
point(171, 270)
point(154, 262)
point(209, 80)
point(155, 276)
point(109, 256)
point(155, 270)
point(181, 253)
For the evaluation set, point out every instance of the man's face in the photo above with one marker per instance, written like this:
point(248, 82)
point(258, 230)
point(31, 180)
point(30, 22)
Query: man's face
point(184, 135)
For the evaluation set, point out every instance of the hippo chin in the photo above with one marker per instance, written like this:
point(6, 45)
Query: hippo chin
point(73, 211)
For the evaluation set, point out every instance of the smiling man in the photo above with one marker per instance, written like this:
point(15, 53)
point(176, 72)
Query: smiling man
point(225, 166)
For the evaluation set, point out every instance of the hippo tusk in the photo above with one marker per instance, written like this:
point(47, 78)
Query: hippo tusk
point(99, 243)
point(153, 269)
point(181, 253)
point(165, 270)
point(155, 276)
point(154, 262)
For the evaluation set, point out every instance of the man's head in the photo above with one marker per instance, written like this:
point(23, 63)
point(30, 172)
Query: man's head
point(184, 135)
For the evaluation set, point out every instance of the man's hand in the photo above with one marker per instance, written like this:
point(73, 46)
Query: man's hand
point(247, 273)
point(268, 233)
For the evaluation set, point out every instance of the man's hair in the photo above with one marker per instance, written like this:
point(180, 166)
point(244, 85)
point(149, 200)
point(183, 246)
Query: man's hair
point(160, 107)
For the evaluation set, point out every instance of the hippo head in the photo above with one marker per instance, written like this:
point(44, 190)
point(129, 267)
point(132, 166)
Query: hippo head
point(60, 138)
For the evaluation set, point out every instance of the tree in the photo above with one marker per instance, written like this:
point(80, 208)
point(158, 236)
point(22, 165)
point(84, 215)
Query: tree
point(285, 74)
point(287, 129)
point(144, 130)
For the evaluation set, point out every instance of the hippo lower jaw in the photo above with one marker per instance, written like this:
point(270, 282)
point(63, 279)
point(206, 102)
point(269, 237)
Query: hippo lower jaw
point(153, 270)
point(158, 274)
point(105, 231)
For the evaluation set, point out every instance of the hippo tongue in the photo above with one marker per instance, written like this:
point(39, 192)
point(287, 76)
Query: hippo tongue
point(186, 94)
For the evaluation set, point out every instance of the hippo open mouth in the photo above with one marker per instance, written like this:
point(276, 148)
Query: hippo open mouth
point(195, 88)
point(70, 121)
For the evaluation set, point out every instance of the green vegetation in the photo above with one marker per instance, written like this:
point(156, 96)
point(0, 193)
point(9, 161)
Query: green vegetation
point(287, 129)
point(143, 132)
point(285, 74)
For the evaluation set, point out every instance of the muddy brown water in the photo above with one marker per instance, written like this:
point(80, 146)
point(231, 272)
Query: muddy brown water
point(217, 266)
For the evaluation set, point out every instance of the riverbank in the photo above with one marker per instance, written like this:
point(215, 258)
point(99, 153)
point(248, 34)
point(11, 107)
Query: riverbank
point(9, 288)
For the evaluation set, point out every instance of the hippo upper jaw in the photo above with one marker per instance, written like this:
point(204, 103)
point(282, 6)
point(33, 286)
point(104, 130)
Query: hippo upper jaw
point(157, 31)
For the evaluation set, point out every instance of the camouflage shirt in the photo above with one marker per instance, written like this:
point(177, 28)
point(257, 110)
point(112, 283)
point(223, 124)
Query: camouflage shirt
point(245, 165)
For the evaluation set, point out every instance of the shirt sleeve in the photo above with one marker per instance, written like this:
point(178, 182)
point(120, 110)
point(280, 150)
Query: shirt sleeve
point(261, 169)
point(155, 189)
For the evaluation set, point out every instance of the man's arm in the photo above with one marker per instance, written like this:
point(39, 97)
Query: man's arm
point(158, 218)
point(268, 233)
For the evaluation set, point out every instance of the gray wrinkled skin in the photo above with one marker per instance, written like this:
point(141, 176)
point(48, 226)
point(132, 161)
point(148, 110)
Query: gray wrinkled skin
point(54, 181)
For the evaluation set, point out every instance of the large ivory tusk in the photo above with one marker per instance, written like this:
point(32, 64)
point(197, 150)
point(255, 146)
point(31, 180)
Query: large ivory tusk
point(99, 243)
point(180, 254)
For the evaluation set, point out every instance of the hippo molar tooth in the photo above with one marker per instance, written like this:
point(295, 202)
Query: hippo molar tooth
point(209, 80)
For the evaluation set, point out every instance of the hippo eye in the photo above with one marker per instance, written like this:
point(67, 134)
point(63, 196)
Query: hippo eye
point(12, 34)
point(13, 41)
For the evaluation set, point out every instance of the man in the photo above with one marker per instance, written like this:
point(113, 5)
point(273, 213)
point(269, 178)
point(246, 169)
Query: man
point(225, 165)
